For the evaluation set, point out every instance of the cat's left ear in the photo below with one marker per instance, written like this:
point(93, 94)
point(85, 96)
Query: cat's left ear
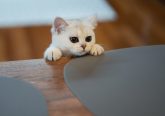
point(59, 24)
point(92, 21)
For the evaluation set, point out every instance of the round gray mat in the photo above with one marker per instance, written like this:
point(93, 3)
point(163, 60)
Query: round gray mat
point(124, 82)
point(18, 98)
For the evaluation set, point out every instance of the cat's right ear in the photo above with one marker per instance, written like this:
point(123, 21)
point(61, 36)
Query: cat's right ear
point(59, 24)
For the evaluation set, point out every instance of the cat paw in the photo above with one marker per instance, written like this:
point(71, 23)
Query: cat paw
point(96, 50)
point(52, 54)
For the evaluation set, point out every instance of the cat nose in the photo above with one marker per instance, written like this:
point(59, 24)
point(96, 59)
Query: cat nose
point(83, 46)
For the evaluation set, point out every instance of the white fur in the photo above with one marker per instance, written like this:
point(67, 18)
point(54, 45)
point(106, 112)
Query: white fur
point(62, 30)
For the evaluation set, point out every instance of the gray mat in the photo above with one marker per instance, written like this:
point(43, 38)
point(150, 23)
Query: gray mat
point(124, 82)
point(18, 98)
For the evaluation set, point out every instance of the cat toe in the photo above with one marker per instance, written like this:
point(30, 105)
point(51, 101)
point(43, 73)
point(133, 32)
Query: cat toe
point(97, 50)
point(52, 55)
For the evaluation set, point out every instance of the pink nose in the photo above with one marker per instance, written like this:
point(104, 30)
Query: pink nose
point(83, 46)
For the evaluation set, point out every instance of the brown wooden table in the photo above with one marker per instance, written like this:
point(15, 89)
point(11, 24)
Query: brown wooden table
point(47, 77)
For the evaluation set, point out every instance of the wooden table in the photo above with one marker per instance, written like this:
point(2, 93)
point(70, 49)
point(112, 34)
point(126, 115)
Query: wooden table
point(47, 77)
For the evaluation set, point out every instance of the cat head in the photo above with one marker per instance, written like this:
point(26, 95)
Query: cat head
point(75, 37)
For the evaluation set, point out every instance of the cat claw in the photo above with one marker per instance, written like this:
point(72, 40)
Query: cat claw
point(96, 50)
point(52, 54)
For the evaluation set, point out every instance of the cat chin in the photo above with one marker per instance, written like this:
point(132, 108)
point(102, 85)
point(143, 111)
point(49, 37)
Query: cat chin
point(80, 53)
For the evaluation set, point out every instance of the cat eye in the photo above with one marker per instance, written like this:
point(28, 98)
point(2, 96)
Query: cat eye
point(88, 38)
point(74, 39)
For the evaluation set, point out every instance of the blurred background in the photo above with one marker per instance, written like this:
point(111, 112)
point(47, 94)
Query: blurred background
point(25, 24)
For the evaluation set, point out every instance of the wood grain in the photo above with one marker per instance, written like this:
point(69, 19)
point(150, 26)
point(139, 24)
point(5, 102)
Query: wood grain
point(139, 23)
point(47, 77)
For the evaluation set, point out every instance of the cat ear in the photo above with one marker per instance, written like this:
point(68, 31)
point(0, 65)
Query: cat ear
point(59, 24)
point(92, 21)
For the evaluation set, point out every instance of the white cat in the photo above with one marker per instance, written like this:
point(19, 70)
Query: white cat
point(73, 37)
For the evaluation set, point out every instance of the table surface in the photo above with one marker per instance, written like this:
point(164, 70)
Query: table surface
point(48, 78)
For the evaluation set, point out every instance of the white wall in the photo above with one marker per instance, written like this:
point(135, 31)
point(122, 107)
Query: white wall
point(36, 12)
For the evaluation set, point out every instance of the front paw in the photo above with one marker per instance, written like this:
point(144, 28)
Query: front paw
point(52, 54)
point(96, 50)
